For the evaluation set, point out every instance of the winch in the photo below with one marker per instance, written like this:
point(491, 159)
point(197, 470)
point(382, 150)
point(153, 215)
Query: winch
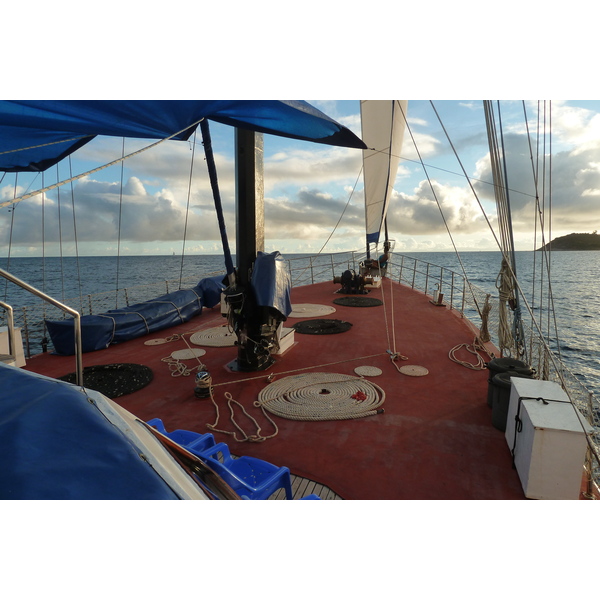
point(352, 283)
point(202, 383)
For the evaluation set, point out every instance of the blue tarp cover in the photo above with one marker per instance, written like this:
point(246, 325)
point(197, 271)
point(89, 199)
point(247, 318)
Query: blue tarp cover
point(271, 282)
point(36, 134)
point(120, 325)
point(56, 445)
point(210, 289)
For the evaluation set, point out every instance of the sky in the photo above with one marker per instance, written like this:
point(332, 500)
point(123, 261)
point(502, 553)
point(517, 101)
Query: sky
point(446, 55)
point(314, 193)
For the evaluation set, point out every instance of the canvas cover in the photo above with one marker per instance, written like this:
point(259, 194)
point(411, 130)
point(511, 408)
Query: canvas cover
point(130, 322)
point(210, 289)
point(271, 282)
point(36, 134)
point(56, 445)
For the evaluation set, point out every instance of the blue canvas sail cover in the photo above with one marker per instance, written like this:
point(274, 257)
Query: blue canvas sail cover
point(271, 282)
point(57, 445)
point(36, 134)
point(210, 289)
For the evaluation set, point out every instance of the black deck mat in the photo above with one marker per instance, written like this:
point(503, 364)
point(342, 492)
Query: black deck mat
point(357, 301)
point(114, 380)
point(322, 326)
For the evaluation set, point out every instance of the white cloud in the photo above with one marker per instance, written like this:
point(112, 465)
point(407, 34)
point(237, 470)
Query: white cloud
point(307, 188)
point(101, 208)
point(421, 213)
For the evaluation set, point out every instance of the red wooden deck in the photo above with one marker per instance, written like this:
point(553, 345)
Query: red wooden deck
point(435, 439)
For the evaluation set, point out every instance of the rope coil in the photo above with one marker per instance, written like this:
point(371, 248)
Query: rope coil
point(322, 397)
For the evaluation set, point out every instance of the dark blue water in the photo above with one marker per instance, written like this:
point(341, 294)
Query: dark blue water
point(575, 290)
point(574, 277)
point(60, 277)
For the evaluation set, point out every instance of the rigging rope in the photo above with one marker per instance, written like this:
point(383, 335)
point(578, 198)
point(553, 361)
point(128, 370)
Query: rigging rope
point(110, 164)
point(504, 284)
point(119, 227)
point(517, 285)
point(462, 266)
point(75, 239)
point(44, 304)
point(12, 222)
point(341, 217)
point(187, 210)
point(75, 139)
point(484, 334)
point(62, 271)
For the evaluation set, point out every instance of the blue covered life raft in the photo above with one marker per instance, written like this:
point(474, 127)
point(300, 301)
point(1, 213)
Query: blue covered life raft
point(122, 324)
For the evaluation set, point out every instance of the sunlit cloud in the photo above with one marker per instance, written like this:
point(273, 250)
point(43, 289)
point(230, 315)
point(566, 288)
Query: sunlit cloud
point(311, 189)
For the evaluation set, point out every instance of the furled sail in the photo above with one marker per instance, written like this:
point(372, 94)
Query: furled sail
point(383, 123)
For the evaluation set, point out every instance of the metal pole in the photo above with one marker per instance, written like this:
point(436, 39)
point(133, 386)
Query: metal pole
point(250, 204)
point(64, 308)
point(10, 324)
point(401, 269)
point(212, 172)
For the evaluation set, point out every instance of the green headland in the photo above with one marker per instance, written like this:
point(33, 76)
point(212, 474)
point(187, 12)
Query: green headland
point(575, 241)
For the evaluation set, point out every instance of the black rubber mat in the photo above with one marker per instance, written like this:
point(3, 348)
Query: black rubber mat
point(114, 380)
point(322, 326)
point(357, 301)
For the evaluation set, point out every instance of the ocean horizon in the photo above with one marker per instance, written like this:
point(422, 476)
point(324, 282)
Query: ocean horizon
point(575, 286)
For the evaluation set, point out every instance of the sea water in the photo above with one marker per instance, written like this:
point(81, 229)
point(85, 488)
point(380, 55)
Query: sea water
point(574, 282)
point(575, 294)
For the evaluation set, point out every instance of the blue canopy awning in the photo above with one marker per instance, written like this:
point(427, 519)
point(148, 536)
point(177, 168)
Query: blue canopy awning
point(36, 134)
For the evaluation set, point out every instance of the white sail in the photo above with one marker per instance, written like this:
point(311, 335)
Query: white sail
point(383, 123)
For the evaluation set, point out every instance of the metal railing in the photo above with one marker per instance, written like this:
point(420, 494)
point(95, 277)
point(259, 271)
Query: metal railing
point(64, 308)
point(469, 300)
point(305, 270)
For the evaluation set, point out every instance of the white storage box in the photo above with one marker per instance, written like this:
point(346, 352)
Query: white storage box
point(550, 448)
point(285, 336)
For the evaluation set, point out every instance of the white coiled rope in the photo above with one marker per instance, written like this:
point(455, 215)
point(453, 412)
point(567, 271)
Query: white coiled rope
point(322, 397)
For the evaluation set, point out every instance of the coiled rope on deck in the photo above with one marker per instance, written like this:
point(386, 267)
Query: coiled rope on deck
point(477, 347)
point(322, 397)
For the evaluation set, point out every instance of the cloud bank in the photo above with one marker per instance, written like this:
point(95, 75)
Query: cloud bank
point(311, 189)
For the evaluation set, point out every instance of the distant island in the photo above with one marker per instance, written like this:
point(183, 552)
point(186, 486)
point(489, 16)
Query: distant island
point(575, 241)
